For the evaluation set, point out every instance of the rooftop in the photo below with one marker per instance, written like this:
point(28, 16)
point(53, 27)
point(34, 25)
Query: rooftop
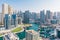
point(11, 36)
point(32, 32)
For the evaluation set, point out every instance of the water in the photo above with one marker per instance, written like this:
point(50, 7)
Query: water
point(1, 38)
point(21, 35)
point(34, 27)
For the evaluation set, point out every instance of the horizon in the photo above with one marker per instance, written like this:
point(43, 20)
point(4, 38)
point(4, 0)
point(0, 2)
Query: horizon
point(33, 5)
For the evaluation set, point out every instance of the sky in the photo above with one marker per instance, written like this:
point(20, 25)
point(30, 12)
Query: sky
point(33, 5)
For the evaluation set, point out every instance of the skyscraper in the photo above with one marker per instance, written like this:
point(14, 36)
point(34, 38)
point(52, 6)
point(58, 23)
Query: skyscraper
point(42, 16)
point(10, 10)
point(58, 15)
point(7, 21)
point(55, 15)
point(49, 14)
point(19, 20)
point(34, 15)
point(20, 17)
point(4, 11)
point(0, 18)
point(14, 20)
point(4, 8)
point(32, 35)
point(26, 17)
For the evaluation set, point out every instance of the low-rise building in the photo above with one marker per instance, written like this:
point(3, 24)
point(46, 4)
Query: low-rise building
point(10, 36)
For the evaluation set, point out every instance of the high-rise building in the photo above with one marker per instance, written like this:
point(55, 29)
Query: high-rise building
point(34, 15)
point(10, 10)
point(14, 20)
point(7, 21)
point(58, 15)
point(42, 16)
point(4, 8)
point(32, 35)
point(20, 14)
point(49, 16)
point(55, 15)
point(26, 17)
point(19, 20)
point(4, 11)
point(0, 18)
point(20, 17)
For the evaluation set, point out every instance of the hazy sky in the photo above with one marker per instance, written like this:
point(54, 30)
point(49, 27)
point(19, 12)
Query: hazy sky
point(33, 5)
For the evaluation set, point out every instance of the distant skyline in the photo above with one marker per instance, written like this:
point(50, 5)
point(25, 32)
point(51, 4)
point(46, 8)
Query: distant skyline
point(32, 5)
